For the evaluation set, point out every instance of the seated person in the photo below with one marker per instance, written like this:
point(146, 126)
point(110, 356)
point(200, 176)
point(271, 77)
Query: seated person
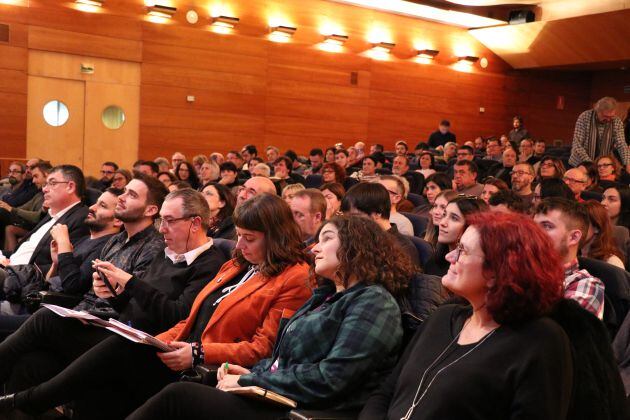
point(63, 190)
point(221, 202)
point(462, 364)
point(396, 189)
point(507, 201)
point(599, 242)
point(235, 317)
point(333, 351)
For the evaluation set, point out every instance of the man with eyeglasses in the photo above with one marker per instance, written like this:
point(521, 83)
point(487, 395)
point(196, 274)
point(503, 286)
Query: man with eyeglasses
point(108, 170)
point(396, 190)
point(20, 188)
point(577, 181)
point(253, 187)
point(597, 132)
point(64, 187)
point(522, 177)
point(493, 150)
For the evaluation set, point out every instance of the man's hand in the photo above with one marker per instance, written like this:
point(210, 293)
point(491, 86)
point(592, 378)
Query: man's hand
point(180, 359)
point(5, 206)
point(114, 274)
point(60, 235)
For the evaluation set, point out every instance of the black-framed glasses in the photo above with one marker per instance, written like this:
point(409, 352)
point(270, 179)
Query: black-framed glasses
point(604, 165)
point(170, 222)
point(51, 183)
point(459, 251)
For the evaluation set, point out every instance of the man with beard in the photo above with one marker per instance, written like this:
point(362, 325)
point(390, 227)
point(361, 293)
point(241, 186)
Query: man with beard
point(108, 170)
point(522, 177)
point(566, 222)
point(62, 191)
point(21, 189)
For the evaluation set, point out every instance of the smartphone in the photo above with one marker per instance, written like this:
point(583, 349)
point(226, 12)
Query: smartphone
point(106, 281)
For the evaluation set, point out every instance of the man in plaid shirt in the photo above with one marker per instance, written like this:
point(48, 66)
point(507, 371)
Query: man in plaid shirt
point(566, 222)
point(597, 131)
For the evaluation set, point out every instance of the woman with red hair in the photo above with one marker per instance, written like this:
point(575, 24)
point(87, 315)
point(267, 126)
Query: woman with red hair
point(501, 357)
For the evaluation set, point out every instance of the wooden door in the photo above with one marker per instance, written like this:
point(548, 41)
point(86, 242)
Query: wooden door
point(59, 144)
point(101, 143)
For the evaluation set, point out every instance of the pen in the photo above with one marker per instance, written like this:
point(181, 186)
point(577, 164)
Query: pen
point(226, 366)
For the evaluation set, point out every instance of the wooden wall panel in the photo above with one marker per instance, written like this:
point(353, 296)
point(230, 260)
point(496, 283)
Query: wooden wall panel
point(611, 83)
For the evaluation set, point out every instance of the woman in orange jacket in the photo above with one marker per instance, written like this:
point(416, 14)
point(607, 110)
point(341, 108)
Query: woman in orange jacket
point(235, 317)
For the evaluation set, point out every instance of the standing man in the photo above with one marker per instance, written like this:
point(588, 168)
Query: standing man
point(597, 131)
point(518, 132)
point(442, 136)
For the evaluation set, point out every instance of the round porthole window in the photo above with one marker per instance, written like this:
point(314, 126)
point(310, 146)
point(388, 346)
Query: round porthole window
point(113, 117)
point(56, 113)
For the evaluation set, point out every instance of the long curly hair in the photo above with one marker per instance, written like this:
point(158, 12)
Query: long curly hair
point(369, 254)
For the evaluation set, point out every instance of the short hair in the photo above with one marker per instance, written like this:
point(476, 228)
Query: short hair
point(445, 123)
point(404, 157)
point(264, 168)
point(378, 147)
point(472, 166)
point(154, 166)
point(497, 182)
point(286, 160)
point(228, 166)
point(274, 148)
point(291, 155)
point(44, 166)
point(402, 142)
point(316, 152)
point(530, 168)
point(615, 163)
point(344, 151)
point(318, 202)
point(340, 172)
point(399, 184)
point(115, 191)
point(161, 161)
point(467, 148)
point(441, 180)
point(193, 204)
point(291, 189)
point(156, 190)
point(450, 143)
point(606, 103)
point(112, 164)
point(125, 173)
point(555, 187)
point(20, 164)
point(527, 269)
point(510, 199)
point(199, 159)
point(494, 140)
point(272, 216)
point(422, 146)
point(237, 154)
point(334, 187)
point(368, 198)
point(180, 185)
point(74, 174)
point(518, 118)
point(376, 157)
point(539, 141)
point(251, 149)
point(168, 174)
point(574, 214)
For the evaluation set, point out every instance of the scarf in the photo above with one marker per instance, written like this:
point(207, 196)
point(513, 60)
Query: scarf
point(605, 143)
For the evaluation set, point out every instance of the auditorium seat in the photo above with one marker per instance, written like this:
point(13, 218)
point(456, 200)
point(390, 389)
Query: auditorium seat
point(425, 250)
point(416, 199)
point(226, 246)
point(418, 222)
point(313, 181)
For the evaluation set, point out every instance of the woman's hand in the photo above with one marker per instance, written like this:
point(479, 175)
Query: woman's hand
point(180, 359)
point(229, 381)
point(115, 275)
point(232, 369)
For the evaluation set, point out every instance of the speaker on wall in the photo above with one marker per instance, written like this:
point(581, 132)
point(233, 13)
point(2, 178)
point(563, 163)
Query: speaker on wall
point(521, 16)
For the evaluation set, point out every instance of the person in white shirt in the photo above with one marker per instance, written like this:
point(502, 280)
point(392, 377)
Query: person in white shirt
point(396, 189)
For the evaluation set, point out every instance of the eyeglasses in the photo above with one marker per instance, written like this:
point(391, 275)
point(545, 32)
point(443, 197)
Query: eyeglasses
point(573, 180)
point(53, 182)
point(520, 173)
point(15, 171)
point(459, 251)
point(170, 222)
point(604, 165)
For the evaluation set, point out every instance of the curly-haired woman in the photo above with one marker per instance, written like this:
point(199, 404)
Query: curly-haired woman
point(333, 351)
point(499, 358)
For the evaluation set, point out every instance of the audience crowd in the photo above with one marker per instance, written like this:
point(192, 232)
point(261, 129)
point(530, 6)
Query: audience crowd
point(484, 279)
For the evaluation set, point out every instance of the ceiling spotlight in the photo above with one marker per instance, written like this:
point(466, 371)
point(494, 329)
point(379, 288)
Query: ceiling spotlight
point(470, 59)
point(94, 3)
point(428, 54)
point(335, 39)
point(383, 47)
point(225, 21)
point(160, 11)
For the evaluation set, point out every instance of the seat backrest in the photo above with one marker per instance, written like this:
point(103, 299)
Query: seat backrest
point(313, 181)
point(418, 222)
point(617, 290)
point(91, 196)
point(425, 250)
point(416, 199)
point(226, 246)
point(591, 195)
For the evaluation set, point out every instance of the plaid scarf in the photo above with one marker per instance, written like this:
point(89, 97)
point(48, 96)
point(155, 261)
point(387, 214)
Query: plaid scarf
point(605, 143)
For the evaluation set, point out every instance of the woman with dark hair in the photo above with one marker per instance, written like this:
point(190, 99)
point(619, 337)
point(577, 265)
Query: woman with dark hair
point(221, 202)
point(166, 178)
point(492, 185)
point(433, 186)
point(462, 364)
point(552, 187)
point(616, 201)
point(550, 167)
point(426, 164)
point(435, 215)
point(333, 193)
point(235, 317)
point(599, 242)
point(333, 352)
point(185, 171)
point(333, 172)
point(451, 227)
point(329, 155)
point(369, 165)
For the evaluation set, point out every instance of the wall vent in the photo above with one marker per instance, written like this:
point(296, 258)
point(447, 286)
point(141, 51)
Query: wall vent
point(4, 32)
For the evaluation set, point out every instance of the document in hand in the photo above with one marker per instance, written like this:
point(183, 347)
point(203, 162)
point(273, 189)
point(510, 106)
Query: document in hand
point(113, 325)
point(262, 394)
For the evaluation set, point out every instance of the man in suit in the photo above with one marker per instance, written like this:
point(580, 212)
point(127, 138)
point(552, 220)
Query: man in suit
point(63, 190)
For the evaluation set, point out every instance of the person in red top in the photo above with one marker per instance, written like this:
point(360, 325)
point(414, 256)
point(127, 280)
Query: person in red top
point(235, 317)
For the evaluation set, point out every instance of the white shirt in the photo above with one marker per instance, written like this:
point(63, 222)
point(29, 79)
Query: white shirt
point(189, 256)
point(402, 223)
point(23, 254)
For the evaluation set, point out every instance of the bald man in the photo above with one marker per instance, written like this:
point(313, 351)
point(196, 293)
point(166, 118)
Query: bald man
point(253, 187)
point(577, 181)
